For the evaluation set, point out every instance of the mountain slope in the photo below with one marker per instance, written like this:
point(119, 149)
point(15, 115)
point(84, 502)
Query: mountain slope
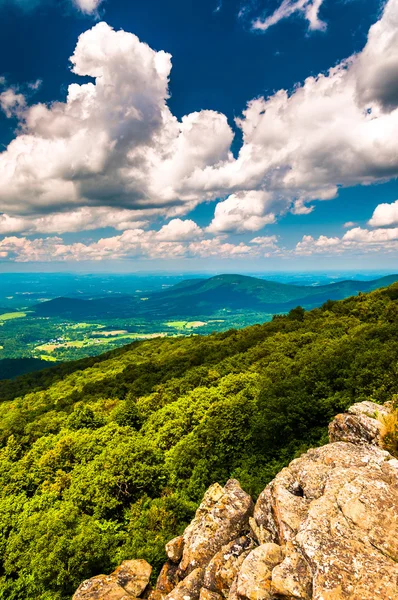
point(14, 367)
point(106, 459)
point(207, 296)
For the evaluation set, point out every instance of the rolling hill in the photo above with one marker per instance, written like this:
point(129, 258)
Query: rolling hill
point(207, 296)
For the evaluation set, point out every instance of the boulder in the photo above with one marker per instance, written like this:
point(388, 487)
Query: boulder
point(222, 516)
point(255, 575)
point(189, 588)
point(292, 578)
point(335, 510)
point(168, 578)
point(175, 548)
point(103, 587)
point(225, 565)
point(128, 581)
point(133, 576)
point(360, 425)
point(206, 594)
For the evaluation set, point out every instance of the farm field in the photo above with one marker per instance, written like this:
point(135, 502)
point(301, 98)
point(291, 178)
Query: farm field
point(57, 340)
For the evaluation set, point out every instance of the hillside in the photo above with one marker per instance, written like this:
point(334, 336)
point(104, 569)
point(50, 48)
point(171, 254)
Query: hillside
point(207, 296)
point(107, 459)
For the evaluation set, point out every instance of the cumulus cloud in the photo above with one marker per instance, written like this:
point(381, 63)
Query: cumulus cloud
point(354, 240)
point(113, 142)
point(179, 229)
point(385, 214)
point(81, 219)
point(377, 65)
point(266, 241)
point(243, 211)
point(308, 9)
point(134, 243)
point(323, 244)
point(115, 146)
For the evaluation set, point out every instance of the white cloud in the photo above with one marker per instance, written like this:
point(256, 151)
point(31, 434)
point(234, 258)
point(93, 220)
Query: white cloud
point(243, 211)
point(12, 103)
point(375, 236)
point(115, 141)
point(355, 240)
point(115, 146)
point(265, 241)
point(179, 229)
point(309, 9)
point(135, 243)
point(81, 219)
point(323, 244)
point(385, 214)
point(88, 7)
point(377, 65)
point(349, 224)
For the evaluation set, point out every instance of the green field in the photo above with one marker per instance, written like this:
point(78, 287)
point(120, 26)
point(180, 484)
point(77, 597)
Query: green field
point(186, 324)
point(24, 334)
point(12, 315)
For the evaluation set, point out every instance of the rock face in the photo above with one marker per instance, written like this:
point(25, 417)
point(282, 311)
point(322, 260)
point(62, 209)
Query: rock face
point(359, 425)
point(326, 528)
point(129, 580)
point(223, 514)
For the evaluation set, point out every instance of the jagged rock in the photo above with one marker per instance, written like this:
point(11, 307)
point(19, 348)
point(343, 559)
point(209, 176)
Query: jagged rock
point(133, 576)
point(292, 578)
point(206, 594)
point(255, 575)
point(128, 581)
point(359, 425)
point(103, 587)
point(233, 592)
point(346, 538)
point(343, 558)
point(168, 578)
point(263, 523)
point(370, 409)
point(224, 566)
point(189, 588)
point(156, 595)
point(175, 548)
point(222, 516)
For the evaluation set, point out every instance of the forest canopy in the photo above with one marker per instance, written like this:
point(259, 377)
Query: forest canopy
point(107, 458)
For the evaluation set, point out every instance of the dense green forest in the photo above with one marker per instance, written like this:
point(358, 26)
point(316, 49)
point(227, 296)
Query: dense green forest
point(107, 458)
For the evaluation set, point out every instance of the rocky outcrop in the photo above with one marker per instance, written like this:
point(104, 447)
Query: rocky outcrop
point(360, 425)
point(326, 528)
point(223, 515)
point(129, 580)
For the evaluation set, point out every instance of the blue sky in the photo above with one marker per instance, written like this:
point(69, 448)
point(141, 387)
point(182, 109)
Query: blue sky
point(198, 135)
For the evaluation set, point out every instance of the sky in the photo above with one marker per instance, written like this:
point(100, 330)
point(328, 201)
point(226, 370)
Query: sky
point(223, 134)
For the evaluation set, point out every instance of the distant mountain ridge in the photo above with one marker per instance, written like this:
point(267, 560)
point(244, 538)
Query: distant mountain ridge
point(206, 296)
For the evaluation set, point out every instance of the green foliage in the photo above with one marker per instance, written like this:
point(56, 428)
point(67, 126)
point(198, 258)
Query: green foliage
point(106, 459)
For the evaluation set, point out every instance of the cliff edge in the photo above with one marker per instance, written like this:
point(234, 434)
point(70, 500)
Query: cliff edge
point(326, 528)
